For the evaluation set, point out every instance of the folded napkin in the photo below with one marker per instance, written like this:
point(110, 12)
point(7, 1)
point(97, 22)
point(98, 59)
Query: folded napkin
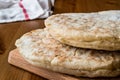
point(19, 10)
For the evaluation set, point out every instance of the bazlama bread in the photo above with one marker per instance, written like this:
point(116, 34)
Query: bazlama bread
point(98, 30)
point(40, 49)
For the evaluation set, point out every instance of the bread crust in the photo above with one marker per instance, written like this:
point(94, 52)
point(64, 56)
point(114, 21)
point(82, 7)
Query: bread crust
point(40, 49)
point(98, 30)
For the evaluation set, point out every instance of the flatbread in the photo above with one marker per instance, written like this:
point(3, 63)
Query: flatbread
point(40, 49)
point(98, 30)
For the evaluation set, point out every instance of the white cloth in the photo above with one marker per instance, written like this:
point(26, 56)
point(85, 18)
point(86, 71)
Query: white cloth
point(19, 10)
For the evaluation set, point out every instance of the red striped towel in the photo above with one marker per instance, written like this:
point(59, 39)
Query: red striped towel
point(19, 10)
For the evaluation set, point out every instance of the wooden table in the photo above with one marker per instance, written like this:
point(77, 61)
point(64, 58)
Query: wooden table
point(11, 31)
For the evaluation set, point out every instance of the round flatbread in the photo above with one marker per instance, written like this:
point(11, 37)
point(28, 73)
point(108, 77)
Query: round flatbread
point(99, 30)
point(40, 49)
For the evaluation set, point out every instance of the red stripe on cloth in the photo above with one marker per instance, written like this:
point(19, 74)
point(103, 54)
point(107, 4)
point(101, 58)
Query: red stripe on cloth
point(24, 11)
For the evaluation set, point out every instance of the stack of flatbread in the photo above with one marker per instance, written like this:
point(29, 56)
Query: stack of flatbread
point(80, 44)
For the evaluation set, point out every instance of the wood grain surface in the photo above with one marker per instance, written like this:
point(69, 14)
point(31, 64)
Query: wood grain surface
point(11, 31)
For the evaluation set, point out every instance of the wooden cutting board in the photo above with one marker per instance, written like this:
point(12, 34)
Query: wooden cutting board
point(16, 59)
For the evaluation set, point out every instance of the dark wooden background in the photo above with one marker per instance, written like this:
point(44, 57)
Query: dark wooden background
point(11, 31)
